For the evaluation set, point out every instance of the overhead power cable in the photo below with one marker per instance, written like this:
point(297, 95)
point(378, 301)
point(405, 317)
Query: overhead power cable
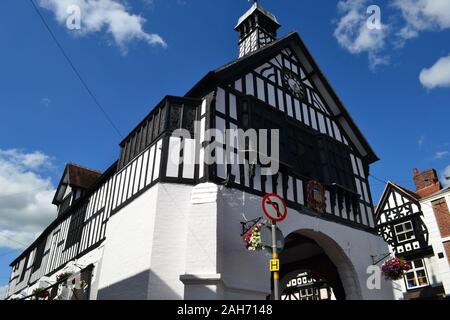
point(77, 73)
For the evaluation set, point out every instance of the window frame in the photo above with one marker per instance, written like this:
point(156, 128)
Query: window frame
point(404, 232)
point(414, 271)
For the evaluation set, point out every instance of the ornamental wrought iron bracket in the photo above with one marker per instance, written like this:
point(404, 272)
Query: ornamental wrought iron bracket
point(248, 225)
point(378, 255)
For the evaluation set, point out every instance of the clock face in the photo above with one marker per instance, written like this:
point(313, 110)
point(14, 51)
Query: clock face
point(293, 83)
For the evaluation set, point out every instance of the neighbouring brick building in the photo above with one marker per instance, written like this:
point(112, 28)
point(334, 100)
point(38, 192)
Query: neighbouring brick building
point(416, 224)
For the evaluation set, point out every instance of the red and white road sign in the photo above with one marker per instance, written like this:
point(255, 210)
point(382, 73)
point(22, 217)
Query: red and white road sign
point(274, 207)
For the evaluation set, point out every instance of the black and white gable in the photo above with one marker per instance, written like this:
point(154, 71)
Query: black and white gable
point(279, 85)
point(399, 220)
point(284, 75)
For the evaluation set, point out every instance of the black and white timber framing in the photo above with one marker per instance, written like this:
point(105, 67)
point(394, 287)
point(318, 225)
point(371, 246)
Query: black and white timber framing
point(317, 133)
point(399, 220)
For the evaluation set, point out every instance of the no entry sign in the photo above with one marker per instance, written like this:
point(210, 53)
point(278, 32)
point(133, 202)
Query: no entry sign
point(274, 207)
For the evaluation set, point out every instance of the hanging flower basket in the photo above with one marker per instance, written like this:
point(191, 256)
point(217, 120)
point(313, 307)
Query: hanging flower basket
point(252, 238)
point(41, 293)
point(63, 277)
point(394, 269)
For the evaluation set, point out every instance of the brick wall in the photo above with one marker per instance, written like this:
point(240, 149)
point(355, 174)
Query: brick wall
point(424, 179)
point(447, 250)
point(442, 214)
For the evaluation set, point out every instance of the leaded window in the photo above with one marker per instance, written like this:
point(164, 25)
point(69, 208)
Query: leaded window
point(150, 131)
point(162, 119)
point(416, 277)
point(404, 231)
point(337, 165)
point(156, 125)
point(39, 255)
point(189, 117)
point(175, 117)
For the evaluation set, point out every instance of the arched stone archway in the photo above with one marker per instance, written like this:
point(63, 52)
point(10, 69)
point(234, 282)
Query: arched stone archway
point(315, 251)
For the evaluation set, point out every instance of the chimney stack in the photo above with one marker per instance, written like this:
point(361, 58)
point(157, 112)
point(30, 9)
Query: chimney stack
point(426, 182)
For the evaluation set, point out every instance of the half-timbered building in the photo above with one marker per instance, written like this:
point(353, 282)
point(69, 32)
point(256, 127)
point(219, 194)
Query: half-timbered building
point(162, 223)
point(416, 224)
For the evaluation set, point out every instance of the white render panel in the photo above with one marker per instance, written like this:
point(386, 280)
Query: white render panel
point(238, 85)
point(297, 110)
point(189, 159)
point(249, 86)
point(233, 106)
point(261, 89)
point(305, 114)
point(300, 198)
point(289, 106)
point(174, 160)
point(280, 100)
point(271, 93)
point(150, 164)
point(220, 100)
point(157, 160)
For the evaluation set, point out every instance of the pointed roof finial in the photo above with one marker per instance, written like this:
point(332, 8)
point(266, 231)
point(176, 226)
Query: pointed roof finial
point(257, 7)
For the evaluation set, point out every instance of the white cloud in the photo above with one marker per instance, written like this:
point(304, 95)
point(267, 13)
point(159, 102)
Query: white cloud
point(445, 175)
point(423, 15)
point(440, 154)
point(109, 15)
point(25, 197)
point(438, 75)
point(353, 34)
point(421, 141)
point(46, 102)
point(3, 291)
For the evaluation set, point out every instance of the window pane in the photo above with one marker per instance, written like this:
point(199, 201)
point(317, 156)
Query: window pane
point(138, 142)
point(411, 280)
point(410, 235)
point(162, 120)
point(408, 225)
point(127, 152)
point(133, 147)
point(422, 278)
point(150, 132)
point(155, 125)
point(144, 136)
point(399, 228)
point(175, 117)
point(189, 118)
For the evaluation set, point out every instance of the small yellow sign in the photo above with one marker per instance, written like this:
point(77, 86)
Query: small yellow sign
point(274, 265)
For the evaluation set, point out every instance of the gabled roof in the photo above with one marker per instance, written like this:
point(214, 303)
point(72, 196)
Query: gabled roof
point(76, 176)
point(100, 180)
point(406, 192)
point(252, 60)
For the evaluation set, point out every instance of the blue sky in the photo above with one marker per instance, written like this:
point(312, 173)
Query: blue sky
point(394, 81)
